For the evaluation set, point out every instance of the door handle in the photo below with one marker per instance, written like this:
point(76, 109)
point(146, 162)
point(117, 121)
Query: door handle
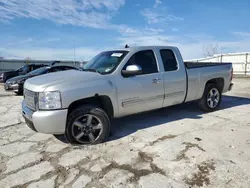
point(156, 80)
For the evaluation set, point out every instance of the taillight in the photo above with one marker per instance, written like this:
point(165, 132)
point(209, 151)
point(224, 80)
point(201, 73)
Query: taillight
point(232, 71)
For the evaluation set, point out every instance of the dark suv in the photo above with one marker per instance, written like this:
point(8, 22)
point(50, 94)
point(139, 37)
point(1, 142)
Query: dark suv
point(4, 76)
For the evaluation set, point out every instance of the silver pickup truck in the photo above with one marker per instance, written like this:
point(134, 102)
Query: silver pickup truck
point(116, 83)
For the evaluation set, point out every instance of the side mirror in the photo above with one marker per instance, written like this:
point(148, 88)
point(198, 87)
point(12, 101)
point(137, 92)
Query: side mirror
point(132, 70)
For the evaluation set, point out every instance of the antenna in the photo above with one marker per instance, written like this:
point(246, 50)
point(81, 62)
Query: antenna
point(126, 46)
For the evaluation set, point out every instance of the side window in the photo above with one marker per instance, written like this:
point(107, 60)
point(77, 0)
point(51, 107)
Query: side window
point(30, 68)
point(169, 61)
point(37, 67)
point(25, 69)
point(145, 59)
point(34, 67)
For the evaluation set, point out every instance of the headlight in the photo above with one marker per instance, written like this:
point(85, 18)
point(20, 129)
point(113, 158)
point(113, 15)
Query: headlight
point(49, 100)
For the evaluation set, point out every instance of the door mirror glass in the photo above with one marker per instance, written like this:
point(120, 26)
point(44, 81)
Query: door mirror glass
point(132, 70)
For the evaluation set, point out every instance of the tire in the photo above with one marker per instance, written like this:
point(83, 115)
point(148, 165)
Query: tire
point(61, 138)
point(208, 102)
point(85, 123)
point(19, 92)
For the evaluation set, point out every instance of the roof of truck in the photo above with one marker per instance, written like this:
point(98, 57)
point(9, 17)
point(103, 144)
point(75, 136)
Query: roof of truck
point(132, 48)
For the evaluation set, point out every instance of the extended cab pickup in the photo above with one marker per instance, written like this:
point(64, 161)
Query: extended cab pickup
point(80, 104)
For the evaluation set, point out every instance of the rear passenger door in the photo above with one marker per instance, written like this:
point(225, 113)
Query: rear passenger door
point(174, 75)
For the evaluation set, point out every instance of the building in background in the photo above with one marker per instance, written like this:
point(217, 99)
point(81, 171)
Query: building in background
point(241, 61)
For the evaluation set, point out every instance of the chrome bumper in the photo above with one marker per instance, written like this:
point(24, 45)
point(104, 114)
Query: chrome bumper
point(11, 87)
point(50, 122)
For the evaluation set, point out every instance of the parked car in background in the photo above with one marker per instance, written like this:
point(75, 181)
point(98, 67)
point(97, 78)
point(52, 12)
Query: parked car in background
point(4, 76)
point(16, 84)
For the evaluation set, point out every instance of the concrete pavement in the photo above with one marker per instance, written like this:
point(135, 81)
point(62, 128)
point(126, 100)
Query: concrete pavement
point(178, 147)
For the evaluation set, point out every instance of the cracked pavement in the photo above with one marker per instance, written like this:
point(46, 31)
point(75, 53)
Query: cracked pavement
point(178, 146)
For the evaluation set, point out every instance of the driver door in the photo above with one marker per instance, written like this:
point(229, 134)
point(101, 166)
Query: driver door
point(141, 92)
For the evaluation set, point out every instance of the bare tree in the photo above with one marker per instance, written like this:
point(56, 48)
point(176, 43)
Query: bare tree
point(211, 49)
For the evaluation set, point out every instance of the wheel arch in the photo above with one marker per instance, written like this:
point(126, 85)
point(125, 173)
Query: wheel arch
point(218, 81)
point(103, 101)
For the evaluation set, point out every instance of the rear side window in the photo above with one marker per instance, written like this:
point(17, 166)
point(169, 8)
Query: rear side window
point(39, 66)
point(169, 60)
point(35, 67)
point(145, 59)
point(31, 68)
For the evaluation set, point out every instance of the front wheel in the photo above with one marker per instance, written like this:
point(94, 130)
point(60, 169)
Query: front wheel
point(19, 92)
point(211, 98)
point(87, 125)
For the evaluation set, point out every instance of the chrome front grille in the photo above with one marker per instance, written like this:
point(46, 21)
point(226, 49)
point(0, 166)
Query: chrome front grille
point(29, 98)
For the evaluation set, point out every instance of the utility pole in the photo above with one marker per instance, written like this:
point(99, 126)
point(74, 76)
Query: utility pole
point(74, 53)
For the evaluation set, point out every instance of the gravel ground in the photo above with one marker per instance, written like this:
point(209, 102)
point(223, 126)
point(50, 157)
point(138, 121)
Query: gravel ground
point(173, 147)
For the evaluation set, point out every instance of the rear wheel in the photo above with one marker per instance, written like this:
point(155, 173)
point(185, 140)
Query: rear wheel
point(87, 125)
point(211, 98)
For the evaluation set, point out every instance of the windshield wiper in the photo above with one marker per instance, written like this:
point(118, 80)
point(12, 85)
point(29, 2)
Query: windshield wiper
point(91, 70)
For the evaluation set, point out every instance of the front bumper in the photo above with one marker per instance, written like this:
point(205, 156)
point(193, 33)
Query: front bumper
point(11, 87)
point(50, 122)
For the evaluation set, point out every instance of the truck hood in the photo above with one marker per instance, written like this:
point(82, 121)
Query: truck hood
point(40, 83)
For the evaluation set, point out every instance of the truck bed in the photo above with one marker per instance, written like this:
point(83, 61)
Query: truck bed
point(198, 73)
point(192, 65)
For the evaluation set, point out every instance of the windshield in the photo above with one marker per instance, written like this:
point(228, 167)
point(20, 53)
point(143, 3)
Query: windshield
point(41, 70)
point(24, 68)
point(105, 62)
